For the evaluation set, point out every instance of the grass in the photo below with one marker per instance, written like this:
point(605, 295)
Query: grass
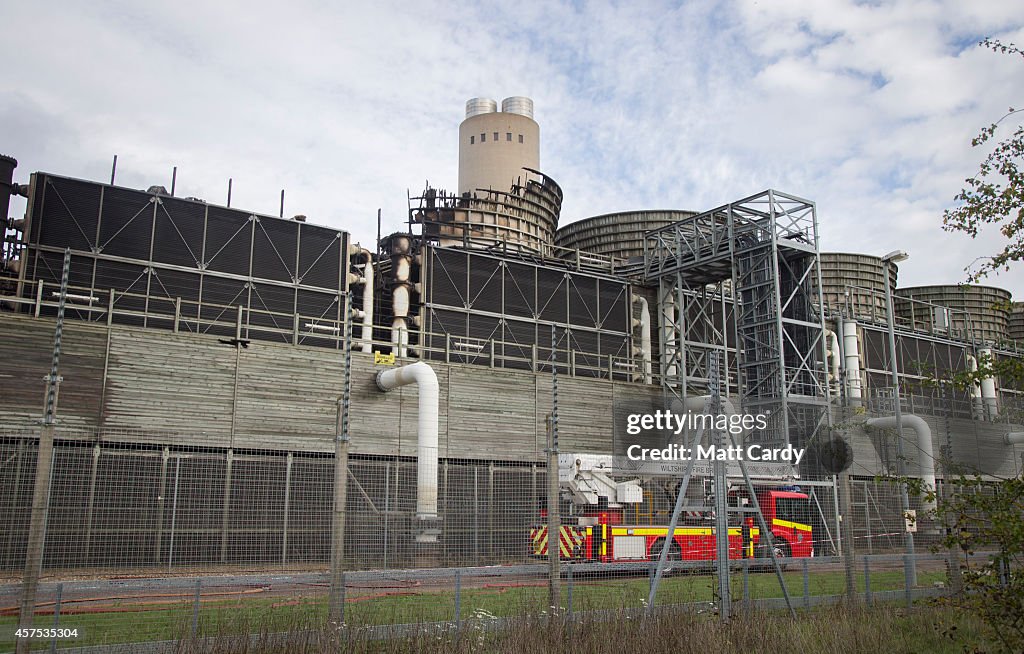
point(282, 613)
point(841, 629)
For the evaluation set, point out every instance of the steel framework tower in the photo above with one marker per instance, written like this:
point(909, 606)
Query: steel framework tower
point(740, 279)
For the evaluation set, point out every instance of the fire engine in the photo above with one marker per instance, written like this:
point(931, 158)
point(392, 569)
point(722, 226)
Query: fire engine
point(600, 529)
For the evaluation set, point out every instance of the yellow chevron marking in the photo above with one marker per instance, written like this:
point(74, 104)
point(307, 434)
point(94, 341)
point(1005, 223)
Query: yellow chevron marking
point(791, 525)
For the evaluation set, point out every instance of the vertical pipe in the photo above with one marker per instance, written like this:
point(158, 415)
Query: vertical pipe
point(113, 170)
point(229, 193)
point(281, 212)
point(988, 385)
point(645, 337)
point(851, 354)
point(174, 179)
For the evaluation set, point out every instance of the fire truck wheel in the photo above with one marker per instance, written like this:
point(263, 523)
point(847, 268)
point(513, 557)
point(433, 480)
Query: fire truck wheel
point(674, 552)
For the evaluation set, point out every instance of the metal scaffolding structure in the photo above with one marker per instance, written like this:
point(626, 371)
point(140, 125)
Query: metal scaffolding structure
point(750, 268)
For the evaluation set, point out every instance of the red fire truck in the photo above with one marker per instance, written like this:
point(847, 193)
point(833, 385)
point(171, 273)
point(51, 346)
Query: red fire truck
point(602, 532)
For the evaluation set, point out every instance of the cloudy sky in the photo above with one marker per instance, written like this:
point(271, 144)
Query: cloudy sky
point(868, 108)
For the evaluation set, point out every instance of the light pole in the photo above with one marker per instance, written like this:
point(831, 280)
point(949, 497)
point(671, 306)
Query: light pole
point(908, 536)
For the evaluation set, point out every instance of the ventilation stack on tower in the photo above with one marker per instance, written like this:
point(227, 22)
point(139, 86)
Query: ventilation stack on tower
point(503, 199)
point(495, 146)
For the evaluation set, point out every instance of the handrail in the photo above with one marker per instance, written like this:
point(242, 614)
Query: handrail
point(182, 315)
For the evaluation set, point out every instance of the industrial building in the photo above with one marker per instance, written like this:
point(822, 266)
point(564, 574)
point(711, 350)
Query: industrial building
point(202, 360)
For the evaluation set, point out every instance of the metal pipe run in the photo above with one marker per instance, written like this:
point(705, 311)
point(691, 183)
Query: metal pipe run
point(422, 375)
point(988, 387)
point(833, 356)
point(851, 349)
point(925, 458)
point(1014, 438)
point(976, 404)
point(366, 333)
point(645, 336)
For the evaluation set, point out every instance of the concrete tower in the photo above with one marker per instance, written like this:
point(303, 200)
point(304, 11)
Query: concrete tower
point(495, 146)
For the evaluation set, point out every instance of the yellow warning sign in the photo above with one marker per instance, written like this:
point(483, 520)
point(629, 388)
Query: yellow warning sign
point(381, 359)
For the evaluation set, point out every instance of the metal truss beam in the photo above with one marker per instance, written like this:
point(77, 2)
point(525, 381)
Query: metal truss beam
point(742, 279)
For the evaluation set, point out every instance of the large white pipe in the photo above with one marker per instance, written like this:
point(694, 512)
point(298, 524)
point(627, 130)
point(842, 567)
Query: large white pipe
point(366, 335)
point(833, 355)
point(976, 404)
point(1014, 438)
point(423, 376)
point(851, 349)
point(925, 458)
point(988, 387)
point(645, 336)
point(367, 331)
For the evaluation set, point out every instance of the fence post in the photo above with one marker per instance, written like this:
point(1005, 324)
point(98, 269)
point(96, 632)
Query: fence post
point(44, 465)
point(651, 574)
point(908, 567)
point(746, 584)
point(458, 601)
point(568, 599)
point(177, 313)
point(867, 582)
point(807, 585)
point(110, 307)
point(56, 617)
point(195, 608)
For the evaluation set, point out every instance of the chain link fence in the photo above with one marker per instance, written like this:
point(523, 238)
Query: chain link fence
point(146, 544)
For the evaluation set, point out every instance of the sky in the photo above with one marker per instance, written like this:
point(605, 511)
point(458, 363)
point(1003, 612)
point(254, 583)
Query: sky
point(867, 108)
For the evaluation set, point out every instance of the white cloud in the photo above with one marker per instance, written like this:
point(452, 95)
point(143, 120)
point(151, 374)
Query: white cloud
point(866, 108)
